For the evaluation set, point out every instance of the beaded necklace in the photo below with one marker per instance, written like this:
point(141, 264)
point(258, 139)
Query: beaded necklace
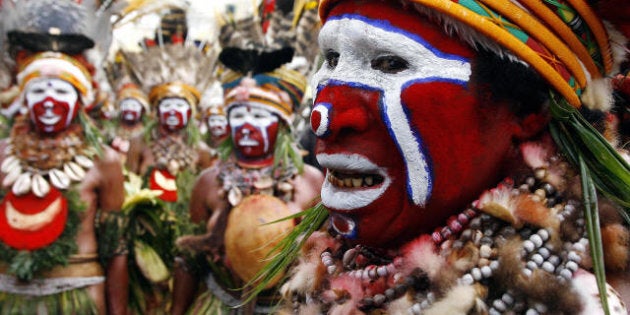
point(492, 247)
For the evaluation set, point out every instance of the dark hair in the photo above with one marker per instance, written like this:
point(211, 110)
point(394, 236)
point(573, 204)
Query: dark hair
point(511, 81)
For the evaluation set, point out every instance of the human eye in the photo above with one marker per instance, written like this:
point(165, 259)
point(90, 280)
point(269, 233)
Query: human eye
point(389, 64)
point(332, 59)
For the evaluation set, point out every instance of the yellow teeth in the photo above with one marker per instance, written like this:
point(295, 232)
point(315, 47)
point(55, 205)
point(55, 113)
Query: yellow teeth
point(351, 181)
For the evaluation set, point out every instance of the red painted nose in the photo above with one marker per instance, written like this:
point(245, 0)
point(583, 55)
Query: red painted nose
point(339, 107)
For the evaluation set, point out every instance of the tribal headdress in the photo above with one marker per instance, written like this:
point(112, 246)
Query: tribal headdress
point(79, 29)
point(172, 64)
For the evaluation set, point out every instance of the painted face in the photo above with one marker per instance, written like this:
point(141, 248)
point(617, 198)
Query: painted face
point(130, 110)
point(218, 126)
point(405, 139)
point(174, 113)
point(52, 104)
point(254, 132)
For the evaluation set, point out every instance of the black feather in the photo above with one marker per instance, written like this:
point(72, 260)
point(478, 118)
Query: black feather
point(254, 61)
point(70, 44)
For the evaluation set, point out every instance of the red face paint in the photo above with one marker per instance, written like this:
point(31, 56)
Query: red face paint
point(376, 127)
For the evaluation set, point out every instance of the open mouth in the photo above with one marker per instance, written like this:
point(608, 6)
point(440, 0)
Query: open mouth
point(348, 180)
point(248, 142)
point(352, 181)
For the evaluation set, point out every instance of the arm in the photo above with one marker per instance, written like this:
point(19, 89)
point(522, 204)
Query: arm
point(110, 198)
point(185, 279)
point(134, 155)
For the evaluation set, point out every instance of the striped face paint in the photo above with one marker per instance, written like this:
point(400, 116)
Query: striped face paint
point(396, 123)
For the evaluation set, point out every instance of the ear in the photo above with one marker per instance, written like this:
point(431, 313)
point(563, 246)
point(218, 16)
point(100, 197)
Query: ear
point(531, 125)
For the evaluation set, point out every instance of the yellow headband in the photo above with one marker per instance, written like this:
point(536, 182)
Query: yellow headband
point(175, 89)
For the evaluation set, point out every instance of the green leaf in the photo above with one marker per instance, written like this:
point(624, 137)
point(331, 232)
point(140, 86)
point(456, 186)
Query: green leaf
point(594, 233)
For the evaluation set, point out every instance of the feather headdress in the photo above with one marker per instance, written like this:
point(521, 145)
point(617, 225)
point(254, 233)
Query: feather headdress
point(66, 26)
point(171, 63)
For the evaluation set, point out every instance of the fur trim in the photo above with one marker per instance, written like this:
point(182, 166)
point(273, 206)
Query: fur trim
point(459, 300)
point(615, 238)
point(598, 95)
point(420, 253)
point(400, 306)
point(618, 43)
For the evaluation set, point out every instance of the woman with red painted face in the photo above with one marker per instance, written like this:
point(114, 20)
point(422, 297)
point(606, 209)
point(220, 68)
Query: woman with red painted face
point(460, 170)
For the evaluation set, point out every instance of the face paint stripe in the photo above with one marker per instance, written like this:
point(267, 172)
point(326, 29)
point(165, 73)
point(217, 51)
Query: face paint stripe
point(419, 181)
point(388, 27)
point(434, 80)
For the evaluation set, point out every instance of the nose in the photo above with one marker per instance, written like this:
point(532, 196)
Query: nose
point(338, 108)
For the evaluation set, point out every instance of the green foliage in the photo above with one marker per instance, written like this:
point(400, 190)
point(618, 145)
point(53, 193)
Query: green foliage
point(93, 136)
point(287, 153)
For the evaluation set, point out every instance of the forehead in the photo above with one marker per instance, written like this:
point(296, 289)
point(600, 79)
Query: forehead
point(392, 16)
point(173, 101)
point(49, 82)
point(248, 108)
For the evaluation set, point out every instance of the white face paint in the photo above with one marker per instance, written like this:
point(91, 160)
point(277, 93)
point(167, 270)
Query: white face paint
point(359, 41)
point(130, 109)
point(258, 118)
point(217, 125)
point(51, 102)
point(174, 112)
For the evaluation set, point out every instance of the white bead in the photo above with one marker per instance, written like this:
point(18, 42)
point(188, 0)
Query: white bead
point(494, 264)
point(579, 247)
point(554, 260)
point(507, 298)
point(486, 271)
point(536, 239)
point(425, 304)
point(544, 234)
point(566, 273)
point(572, 265)
point(493, 311)
point(528, 246)
point(548, 267)
point(527, 272)
point(431, 297)
point(382, 271)
point(476, 273)
point(531, 265)
point(544, 252)
point(531, 312)
point(573, 256)
point(499, 305)
point(538, 259)
point(416, 309)
point(467, 279)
